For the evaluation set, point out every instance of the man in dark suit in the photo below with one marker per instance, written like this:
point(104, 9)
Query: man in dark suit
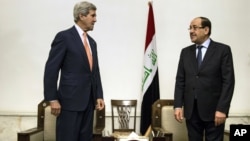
point(74, 58)
point(204, 89)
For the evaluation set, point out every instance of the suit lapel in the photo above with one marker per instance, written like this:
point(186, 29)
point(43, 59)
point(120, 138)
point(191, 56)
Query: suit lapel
point(209, 53)
point(193, 58)
point(79, 45)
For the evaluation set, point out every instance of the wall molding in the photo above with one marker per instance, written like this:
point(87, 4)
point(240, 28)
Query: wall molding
point(18, 113)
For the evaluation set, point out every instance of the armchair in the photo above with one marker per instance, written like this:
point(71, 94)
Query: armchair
point(163, 121)
point(45, 130)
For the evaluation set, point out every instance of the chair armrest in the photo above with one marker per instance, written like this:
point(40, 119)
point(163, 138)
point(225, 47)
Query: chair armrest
point(97, 134)
point(33, 134)
point(226, 135)
point(160, 132)
point(99, 122)
point(98, 131)
point(227, 132)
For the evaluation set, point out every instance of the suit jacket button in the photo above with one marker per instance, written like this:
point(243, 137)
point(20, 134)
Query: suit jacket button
point(197, 76)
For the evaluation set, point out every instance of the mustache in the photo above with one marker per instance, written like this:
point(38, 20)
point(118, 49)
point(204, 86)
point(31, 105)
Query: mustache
point(192, 34)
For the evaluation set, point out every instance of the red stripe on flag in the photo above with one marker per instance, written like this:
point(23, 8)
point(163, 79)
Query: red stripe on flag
point(150, 26)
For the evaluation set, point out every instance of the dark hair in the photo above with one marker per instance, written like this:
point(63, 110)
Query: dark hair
point(205, 22)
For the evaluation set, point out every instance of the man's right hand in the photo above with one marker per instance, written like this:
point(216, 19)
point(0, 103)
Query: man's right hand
point(178, 114)
point(55, 107)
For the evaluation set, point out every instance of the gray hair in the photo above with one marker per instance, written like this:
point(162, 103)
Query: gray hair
point(82, 8)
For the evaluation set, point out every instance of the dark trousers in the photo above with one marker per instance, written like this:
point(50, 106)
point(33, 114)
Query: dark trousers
point(75, 125)
point(197, 128)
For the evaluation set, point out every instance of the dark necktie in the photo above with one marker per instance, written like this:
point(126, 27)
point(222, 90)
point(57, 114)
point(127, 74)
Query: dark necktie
point(199, 56)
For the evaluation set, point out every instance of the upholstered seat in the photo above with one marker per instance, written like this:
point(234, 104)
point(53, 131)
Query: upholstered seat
point(163, 121)
point(46, 123)
point(170, 124)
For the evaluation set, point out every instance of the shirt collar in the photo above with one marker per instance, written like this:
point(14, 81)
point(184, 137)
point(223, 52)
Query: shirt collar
point(79, 30)
point(206, 43)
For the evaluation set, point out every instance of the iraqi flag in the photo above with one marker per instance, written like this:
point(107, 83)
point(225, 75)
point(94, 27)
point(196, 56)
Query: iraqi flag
point(150, 80)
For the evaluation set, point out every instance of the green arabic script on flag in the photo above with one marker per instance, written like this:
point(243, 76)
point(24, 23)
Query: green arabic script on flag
point(150, 64)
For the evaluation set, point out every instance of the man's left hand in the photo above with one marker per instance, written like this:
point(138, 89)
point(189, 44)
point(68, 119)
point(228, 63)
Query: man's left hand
point(100, 104)
point(220, 118)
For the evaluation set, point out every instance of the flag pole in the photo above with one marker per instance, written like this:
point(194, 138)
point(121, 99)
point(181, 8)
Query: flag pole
point(150, 79)
point(148, 132)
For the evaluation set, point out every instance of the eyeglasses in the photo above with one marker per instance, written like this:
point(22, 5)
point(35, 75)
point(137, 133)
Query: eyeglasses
point(195, 27)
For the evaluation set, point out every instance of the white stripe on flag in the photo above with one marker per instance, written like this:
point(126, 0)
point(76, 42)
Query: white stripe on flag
point(150, 65)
